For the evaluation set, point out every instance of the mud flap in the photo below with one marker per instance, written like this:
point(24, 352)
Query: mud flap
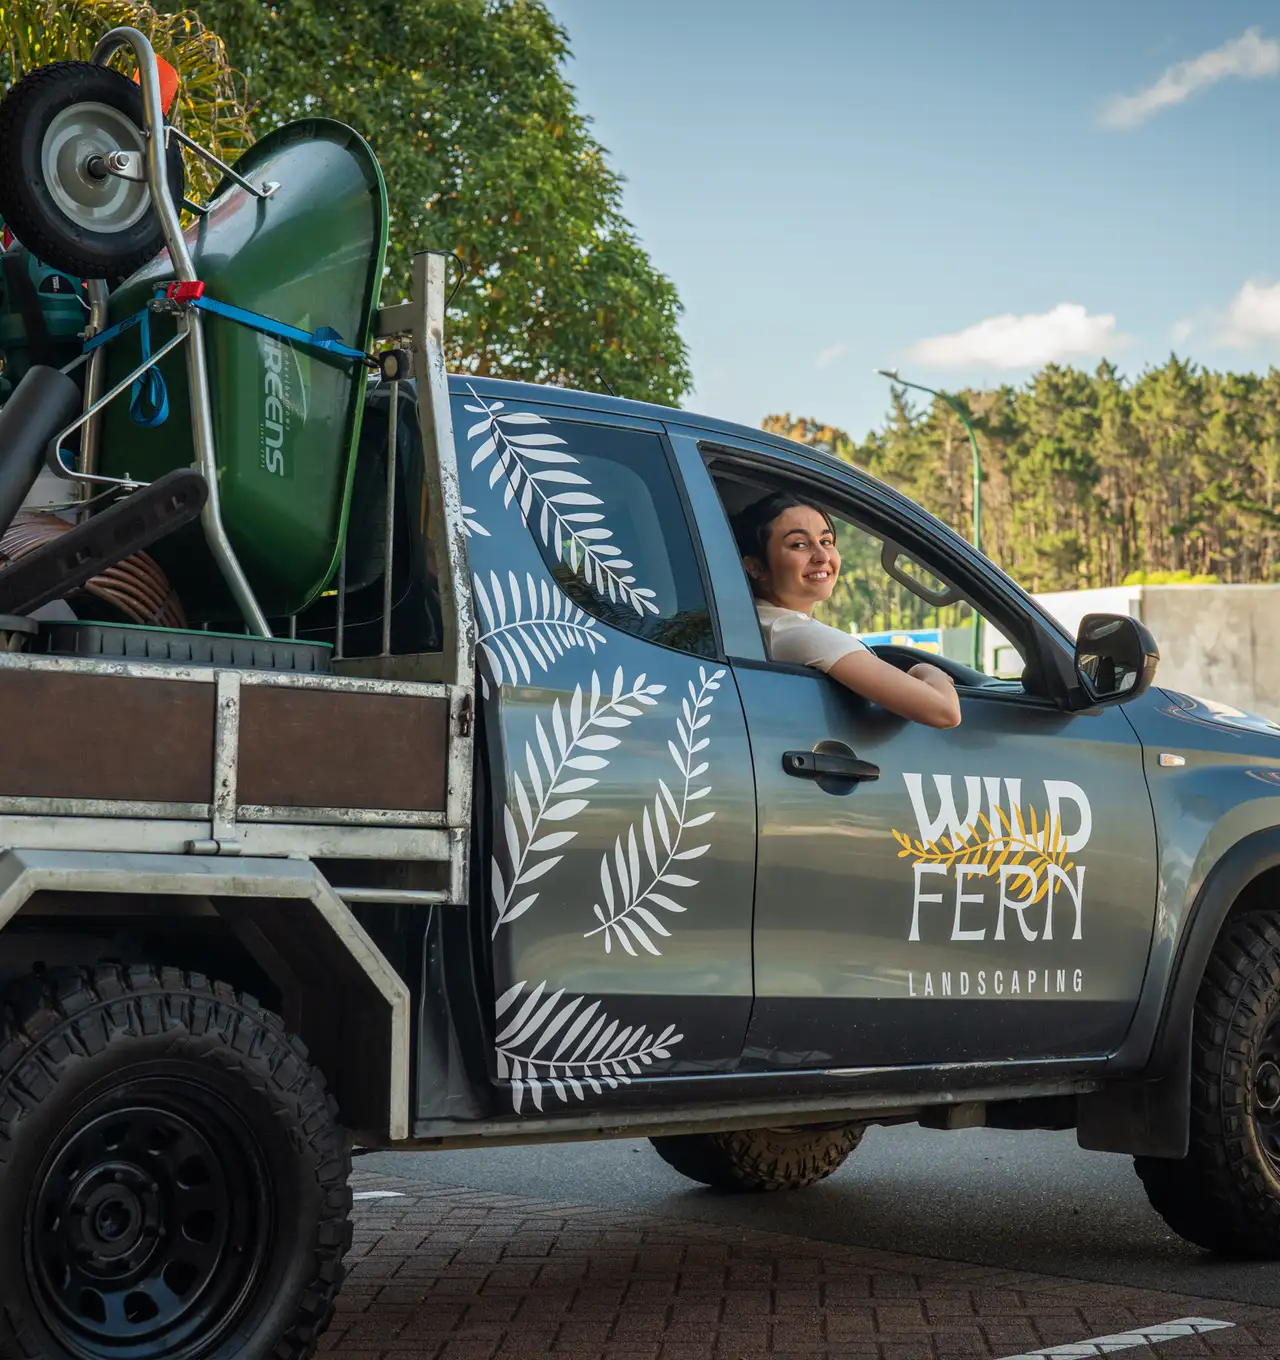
point(1143, 1118)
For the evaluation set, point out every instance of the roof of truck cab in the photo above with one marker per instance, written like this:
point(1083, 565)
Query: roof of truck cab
point(549, 393)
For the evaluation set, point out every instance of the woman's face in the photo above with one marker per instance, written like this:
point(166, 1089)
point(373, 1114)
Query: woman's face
point(803, 563)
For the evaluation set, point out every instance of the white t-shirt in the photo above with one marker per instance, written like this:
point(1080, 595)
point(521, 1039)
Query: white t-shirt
point(800, 639)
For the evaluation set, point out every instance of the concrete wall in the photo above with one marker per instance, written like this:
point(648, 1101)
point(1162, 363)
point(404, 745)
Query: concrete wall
point(1216, 642)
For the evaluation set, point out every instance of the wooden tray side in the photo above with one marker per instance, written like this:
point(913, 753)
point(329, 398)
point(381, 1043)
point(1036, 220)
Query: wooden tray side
point(68, 735)
point(315, 748)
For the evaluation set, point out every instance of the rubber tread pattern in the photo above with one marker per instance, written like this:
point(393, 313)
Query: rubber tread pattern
point(70, 1015)
point(1224, 1195)
point(759, 1159)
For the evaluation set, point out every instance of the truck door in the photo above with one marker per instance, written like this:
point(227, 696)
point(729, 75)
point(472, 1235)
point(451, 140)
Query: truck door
point(990, 895)
point(617, 881)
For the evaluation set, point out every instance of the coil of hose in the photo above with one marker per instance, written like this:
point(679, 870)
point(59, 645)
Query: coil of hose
point(136, 587)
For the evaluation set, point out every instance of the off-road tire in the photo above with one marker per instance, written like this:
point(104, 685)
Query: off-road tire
point(1224, 1195)
point(88, 1056)
point(26, 203)
point(1177, 1193)
point(760, 1159)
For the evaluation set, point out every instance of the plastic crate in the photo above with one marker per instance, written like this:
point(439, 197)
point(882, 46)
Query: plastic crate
point(132, 642)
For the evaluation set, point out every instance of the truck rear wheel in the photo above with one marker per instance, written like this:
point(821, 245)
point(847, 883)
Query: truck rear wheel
point(1225, 1194)
point(760, 1159)
point(173, 1180)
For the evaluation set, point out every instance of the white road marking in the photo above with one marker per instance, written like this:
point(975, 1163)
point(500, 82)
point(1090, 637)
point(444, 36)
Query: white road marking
point(1123, 1341)
point(378, 1194)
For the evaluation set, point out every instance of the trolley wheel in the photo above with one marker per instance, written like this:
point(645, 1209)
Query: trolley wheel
point(58, 125)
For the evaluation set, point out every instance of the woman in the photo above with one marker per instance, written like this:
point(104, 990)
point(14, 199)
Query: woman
point(789, 550)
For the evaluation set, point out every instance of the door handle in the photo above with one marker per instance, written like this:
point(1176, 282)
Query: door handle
point(816, 764)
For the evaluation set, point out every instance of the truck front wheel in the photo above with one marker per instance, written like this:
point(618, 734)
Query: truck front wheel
point(1225, 1194)
point(760, 1159)
point(173, 1180)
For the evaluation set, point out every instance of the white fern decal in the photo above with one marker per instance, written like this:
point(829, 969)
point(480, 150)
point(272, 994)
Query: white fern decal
point(578, 743)
point(624, 916)
point(593, 1051)
point(533, 464)
point(471, 525)
point(528, 626)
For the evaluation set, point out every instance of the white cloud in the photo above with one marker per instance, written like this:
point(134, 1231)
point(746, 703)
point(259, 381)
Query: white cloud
point(1252, 317)
point(830, 355)
point(1181, 331)
point(1067, 331)
point(1247, 57)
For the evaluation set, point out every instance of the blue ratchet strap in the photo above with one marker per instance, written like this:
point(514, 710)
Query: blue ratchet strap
point(148, 397)
point(112, 331)
point(324, 338)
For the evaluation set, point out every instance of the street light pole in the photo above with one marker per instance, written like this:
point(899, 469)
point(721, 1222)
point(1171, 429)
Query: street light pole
point(892, 375)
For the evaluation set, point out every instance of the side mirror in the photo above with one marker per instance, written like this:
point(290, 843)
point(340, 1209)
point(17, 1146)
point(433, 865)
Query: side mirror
point(1116, 657)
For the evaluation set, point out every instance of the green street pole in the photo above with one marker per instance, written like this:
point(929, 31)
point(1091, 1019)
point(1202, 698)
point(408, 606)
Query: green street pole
point(892, 375)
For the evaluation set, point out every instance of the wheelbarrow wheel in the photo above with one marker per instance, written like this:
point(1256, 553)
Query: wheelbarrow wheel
point(57, 127)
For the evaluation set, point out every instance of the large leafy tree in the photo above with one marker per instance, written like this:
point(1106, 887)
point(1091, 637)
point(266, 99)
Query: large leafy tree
point(485, 154)
point(210, 105)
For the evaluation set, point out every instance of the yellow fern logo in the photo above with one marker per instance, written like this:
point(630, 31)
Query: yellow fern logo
point(1027, 841)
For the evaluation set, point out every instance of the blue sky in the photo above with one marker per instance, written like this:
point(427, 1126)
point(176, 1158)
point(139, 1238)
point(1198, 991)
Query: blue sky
point(839, 186)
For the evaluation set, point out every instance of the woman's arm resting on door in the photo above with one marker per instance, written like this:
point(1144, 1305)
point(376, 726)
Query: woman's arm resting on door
point(924, 694)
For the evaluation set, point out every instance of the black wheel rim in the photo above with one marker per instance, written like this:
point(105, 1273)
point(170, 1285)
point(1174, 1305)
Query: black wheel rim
point(148, 1224)
point(1266, 1093)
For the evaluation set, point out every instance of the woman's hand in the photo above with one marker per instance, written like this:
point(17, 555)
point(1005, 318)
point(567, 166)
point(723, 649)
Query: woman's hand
point(925, 694)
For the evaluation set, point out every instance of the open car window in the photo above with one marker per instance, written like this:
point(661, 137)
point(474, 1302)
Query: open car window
point(888, 597)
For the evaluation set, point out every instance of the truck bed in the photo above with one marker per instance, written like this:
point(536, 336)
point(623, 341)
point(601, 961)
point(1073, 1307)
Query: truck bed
point(206, 759)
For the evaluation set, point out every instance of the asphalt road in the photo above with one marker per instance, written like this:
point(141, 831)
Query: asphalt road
point(1030, 1201)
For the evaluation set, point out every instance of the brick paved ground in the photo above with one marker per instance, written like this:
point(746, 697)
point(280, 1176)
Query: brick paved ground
point(451, 1274)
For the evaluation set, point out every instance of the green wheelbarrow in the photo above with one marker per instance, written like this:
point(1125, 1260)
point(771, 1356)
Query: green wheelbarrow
point(238, 348)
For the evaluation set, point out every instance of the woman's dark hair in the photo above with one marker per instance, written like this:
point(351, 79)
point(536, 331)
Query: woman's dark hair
point(752, 523)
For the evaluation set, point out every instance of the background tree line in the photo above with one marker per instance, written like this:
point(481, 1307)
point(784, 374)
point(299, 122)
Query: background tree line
point(1093, 480)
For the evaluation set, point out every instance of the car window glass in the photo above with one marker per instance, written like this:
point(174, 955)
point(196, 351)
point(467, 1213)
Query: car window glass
point(618, 542)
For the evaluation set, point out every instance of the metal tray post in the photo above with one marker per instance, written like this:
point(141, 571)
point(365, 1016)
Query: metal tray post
point(445, 500)
point(435, 414)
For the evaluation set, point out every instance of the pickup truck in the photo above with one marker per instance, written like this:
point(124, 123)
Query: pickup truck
point(518, 835)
